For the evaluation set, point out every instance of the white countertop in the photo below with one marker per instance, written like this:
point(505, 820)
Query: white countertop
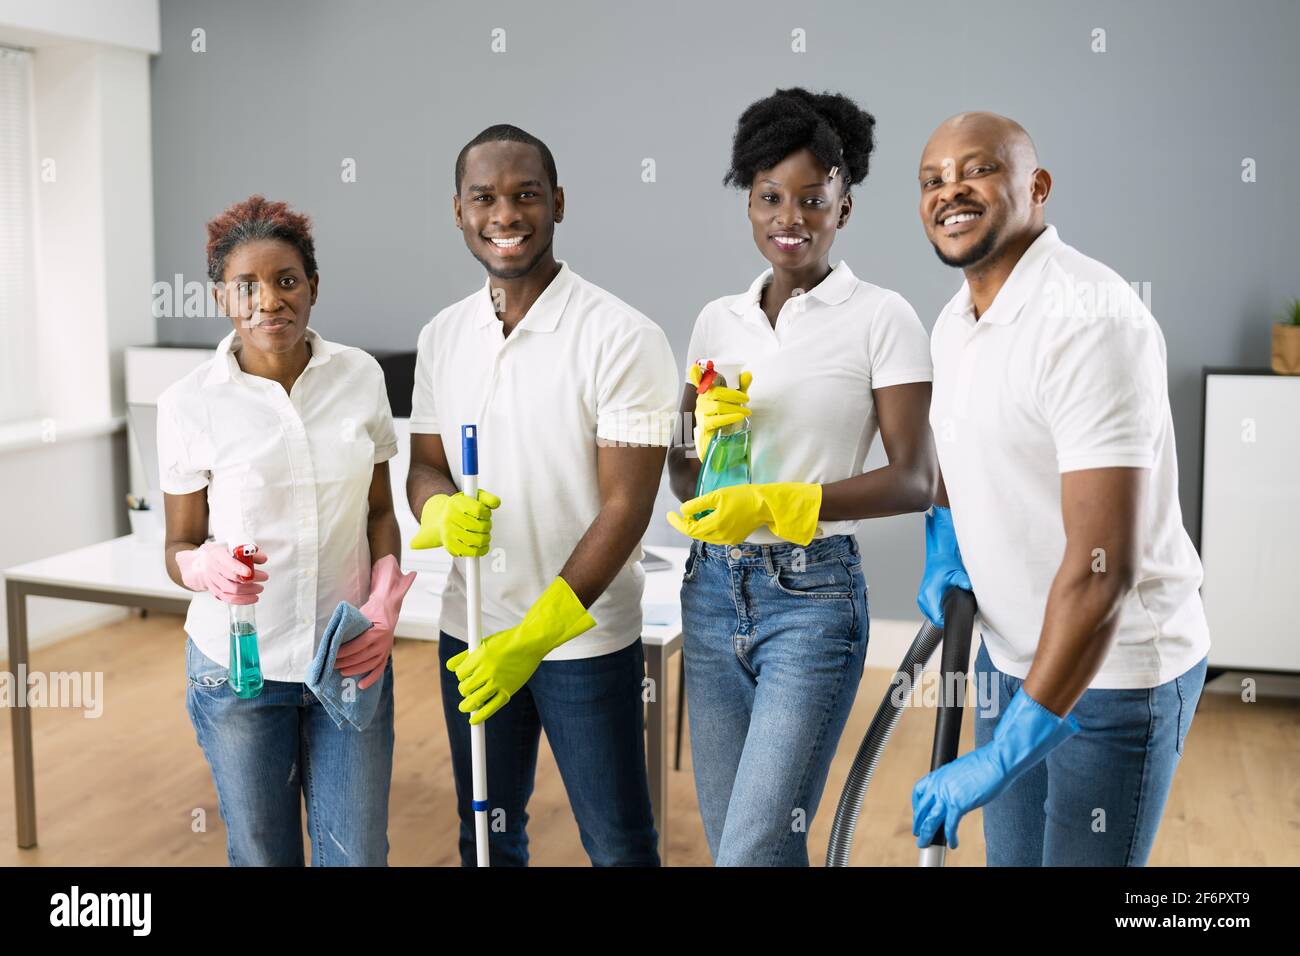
point(132, 565)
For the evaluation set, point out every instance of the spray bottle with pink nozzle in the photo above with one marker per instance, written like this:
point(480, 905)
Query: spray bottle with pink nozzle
point(245, 662)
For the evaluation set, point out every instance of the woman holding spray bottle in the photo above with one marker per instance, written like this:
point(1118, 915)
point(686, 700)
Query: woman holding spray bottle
point(774, 604)
point(281, 442)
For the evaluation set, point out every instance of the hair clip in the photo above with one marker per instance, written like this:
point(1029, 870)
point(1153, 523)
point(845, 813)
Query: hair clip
point(834, 170)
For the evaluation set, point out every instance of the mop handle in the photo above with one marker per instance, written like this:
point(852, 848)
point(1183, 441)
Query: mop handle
point(469, 473)
point(474, 633)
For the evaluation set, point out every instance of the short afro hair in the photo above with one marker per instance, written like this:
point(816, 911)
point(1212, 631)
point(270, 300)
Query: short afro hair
point(256, 218)
point(836, 130)
point(505, 133)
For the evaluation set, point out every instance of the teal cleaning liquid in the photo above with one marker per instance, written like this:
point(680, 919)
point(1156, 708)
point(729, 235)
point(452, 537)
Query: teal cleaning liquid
point(245, 664)
point(726, 462)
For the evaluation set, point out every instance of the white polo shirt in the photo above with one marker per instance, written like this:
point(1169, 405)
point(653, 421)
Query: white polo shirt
point(813, 415)
point(1065, 371)
point(580, 365)
point(289, 473)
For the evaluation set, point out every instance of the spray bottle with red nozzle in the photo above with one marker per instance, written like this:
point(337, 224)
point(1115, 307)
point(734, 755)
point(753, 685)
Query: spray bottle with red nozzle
point(245, 663)
point(726, 460)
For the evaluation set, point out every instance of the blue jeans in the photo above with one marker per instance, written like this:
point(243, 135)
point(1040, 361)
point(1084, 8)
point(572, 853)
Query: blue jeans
point(271, 751)
point(1098, 798)
point(593, 715)
point(775, 638)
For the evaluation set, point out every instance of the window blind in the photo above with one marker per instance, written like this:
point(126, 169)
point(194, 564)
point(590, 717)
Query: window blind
point(19, 399)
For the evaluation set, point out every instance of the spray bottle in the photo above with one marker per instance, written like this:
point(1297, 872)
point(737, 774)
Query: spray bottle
point(726, 461)
point(245, 663)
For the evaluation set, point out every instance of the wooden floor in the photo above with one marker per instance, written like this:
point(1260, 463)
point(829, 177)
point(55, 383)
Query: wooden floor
point(123, 789)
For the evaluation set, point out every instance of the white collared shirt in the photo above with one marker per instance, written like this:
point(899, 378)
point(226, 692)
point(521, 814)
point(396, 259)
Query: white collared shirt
point(813, 414)
point(289, 473)
point(1064, 371)
point(580, 365)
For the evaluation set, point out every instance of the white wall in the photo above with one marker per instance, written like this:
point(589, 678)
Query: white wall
point(127, 205)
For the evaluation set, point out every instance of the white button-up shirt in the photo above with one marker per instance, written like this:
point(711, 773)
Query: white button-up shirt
point(814, 414)
point(290, 473)
point(1064, 371)
point(580, 365)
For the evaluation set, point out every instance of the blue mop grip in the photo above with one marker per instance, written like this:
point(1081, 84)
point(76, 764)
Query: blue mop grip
point(477, 805)
point(469, 449)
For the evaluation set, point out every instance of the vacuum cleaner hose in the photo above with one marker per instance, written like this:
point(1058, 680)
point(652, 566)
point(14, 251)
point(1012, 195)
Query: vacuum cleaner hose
point(959, 616)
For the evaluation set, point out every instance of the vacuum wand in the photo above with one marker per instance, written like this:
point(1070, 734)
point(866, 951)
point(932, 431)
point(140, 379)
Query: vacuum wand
point(955, 636)
point(474, 633)
point(959, 622)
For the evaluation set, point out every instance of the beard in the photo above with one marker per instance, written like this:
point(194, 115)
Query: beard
point(515, 272)
point(976, 254)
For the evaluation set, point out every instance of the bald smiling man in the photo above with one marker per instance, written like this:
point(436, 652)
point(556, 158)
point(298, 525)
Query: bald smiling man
point(1056, 450)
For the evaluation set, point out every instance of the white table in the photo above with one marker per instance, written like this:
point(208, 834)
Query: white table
point(130, 572)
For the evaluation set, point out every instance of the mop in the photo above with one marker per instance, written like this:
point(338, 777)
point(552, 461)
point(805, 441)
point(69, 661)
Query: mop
point(474, 627)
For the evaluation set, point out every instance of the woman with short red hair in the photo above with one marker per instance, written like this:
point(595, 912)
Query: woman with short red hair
point(282, 440)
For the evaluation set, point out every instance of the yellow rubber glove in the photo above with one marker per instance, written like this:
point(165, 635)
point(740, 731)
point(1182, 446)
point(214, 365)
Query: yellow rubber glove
point(458, 523)
point(504, 661)
point(717, 408)
point(789, 509)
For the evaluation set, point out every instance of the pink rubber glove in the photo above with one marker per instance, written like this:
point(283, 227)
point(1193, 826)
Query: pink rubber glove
point(214, 569)
point(368, 652)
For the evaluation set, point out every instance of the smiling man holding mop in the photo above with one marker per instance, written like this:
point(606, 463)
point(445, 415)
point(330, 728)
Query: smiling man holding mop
point(574, 395)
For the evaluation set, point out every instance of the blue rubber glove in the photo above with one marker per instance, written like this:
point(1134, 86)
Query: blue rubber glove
point(943, 567)
point(1026, 734)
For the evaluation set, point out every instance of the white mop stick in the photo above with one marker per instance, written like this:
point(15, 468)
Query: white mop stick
point(474, 602)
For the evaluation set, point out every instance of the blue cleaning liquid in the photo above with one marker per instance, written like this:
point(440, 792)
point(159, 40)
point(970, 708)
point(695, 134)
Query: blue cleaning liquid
point(726, 463)
point(245, 664)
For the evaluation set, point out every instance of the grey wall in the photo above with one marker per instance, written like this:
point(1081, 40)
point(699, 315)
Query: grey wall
point(1145, 143)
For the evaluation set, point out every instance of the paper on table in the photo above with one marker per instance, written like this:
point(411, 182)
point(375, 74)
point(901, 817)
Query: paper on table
point(662, 615)
point(653, 562)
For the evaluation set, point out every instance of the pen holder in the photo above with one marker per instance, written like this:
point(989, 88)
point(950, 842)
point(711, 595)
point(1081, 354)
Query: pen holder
point(146, 525)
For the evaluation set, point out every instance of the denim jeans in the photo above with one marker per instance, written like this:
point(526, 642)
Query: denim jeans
point(592, 712)
point(1098, 798)
point(270, 752)
point(775, 638)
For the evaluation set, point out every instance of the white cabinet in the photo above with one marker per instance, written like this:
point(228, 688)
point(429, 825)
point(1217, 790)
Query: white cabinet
point(1250, 519)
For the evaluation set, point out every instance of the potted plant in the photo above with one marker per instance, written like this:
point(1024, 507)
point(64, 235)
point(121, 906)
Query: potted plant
point(1286, 341)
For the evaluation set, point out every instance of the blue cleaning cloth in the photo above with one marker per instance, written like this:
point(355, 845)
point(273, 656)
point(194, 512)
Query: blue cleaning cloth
point(341, 696)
